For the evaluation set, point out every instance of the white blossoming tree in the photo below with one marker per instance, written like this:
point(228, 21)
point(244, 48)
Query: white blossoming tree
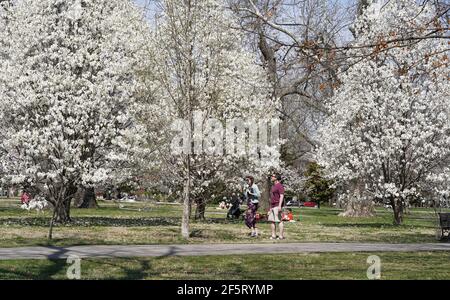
point(388, 135)
point(66, 87)
point(199, 64)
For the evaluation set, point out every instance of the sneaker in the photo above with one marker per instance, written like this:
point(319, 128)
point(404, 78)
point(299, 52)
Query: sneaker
point(281, 238)
point(273, 237)
point(253, 234)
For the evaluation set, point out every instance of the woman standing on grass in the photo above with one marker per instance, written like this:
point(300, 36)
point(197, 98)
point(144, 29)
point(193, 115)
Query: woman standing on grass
point(252, 195)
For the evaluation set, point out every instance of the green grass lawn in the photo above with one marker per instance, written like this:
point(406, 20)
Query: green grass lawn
point(422, 265)
point(151, 223)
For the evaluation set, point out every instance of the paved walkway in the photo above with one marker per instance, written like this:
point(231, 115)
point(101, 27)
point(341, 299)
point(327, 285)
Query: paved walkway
point(208, 249)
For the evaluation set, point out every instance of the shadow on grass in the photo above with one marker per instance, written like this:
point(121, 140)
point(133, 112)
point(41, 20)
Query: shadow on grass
point(127, 267)
point(127, 272)
point(318, 212)
point(378, 225)
point(39, 271)
point(144, 269)
point(219, 221)
point(110, 221)
point(9, 274)
point(196, 233)
point(62, 242)
point(94, 221)
point(57, 264)
point(137, 273)
point(56, 269)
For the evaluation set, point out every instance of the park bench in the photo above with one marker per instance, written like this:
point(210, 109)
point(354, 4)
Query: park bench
point(444, 224)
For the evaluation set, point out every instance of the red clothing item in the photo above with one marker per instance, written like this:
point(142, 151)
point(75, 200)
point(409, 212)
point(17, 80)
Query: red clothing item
point(25, 198)
point(290, 216)
point(287, 216)
point(275, 194)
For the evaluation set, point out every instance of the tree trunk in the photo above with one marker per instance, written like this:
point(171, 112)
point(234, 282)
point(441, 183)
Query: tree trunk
point(11, 192)
point(89, 199)
point(186, 200)
point(200, 209)
point(356, 206)
point(264, 202)
point(61, 209)
point(62, 212)
point(397, 206)
point(61, 215)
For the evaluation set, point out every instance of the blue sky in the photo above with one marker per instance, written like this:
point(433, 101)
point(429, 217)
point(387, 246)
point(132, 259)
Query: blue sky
point(150, 4)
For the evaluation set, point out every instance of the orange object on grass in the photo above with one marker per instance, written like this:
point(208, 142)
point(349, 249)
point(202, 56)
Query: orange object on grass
point(290, 216)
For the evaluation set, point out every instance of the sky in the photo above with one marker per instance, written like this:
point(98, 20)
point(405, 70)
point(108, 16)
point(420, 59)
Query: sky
point(152, 9)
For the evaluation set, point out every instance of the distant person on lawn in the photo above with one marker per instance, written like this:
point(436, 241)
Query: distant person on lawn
point(252, 195)
point(276, 203)
point(25, 198)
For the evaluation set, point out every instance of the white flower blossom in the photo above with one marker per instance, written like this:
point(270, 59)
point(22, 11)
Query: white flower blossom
point(389, 127)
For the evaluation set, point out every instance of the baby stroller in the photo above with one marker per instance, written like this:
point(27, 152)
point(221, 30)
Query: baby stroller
point(235, 211)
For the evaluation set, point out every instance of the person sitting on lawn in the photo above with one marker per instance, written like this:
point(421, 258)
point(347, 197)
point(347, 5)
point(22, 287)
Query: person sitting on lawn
point(287, 215)
point(25, 198)
point(222, 205)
